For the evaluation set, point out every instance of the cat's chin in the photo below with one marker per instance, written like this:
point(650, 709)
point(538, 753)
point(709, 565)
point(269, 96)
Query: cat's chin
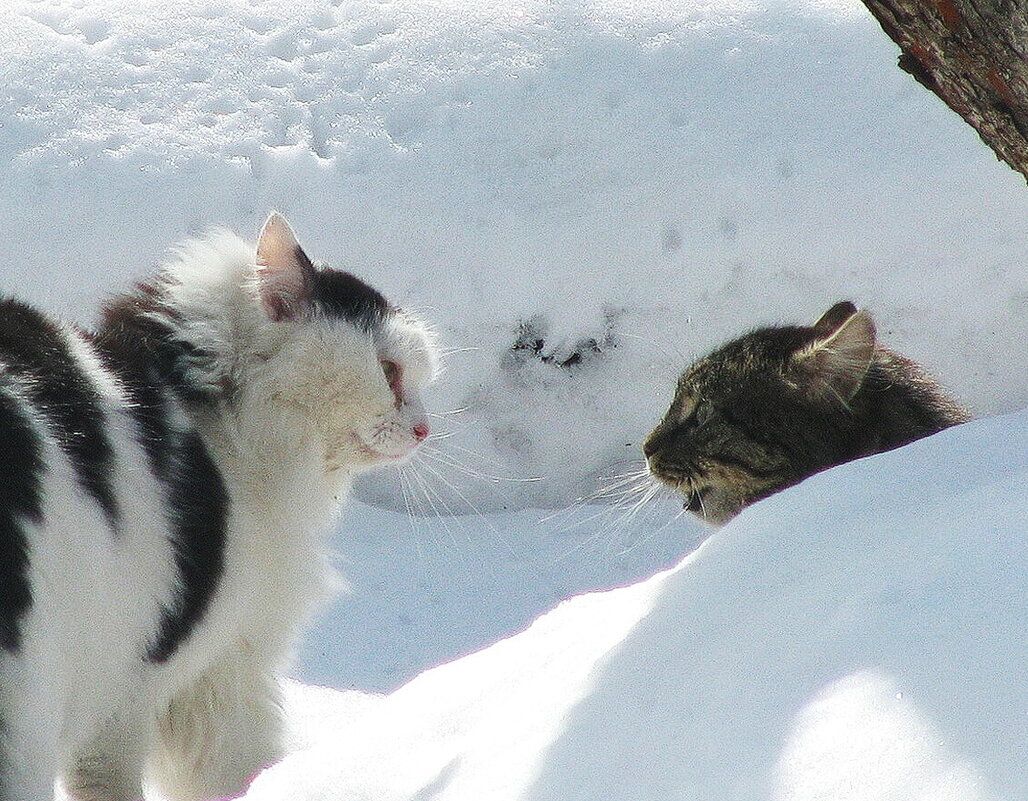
point(369, 458)
point(707, 503)
point(694, 501)
point(714, 507)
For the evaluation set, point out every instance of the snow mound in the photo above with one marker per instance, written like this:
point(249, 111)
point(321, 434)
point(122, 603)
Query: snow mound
point(859, 636)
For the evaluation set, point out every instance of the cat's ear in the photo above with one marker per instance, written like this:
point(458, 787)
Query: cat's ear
point(832, 319)
point(283, 271)
point(837, 361)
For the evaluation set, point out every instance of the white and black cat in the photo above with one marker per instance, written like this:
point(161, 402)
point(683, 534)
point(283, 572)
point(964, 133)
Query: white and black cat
point(167, 483)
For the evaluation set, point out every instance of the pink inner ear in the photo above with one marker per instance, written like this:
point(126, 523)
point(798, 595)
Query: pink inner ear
point(276, 306)
point(276, 244)
point(282, 270)
point(283, 292)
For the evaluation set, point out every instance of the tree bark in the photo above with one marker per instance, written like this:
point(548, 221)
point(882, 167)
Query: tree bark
point(974, 55)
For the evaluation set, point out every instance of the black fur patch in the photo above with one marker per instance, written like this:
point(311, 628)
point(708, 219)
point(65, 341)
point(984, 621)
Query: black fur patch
point(141, 353)
point(20, 503)
point(137, 331)
point(198, 507)
point(33, 348)
point(343, 295)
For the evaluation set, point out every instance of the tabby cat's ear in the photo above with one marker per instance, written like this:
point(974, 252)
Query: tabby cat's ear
point(835, 316)
point(837, 361)
point(283, 270)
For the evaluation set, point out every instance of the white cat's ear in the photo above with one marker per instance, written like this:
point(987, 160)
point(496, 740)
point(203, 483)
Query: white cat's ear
point(839, 358)
point(283, 270)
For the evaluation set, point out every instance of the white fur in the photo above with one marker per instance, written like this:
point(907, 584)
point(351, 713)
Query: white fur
point(305, 407)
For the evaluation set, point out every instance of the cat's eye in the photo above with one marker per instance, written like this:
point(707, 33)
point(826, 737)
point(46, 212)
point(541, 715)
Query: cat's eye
point(704, 411)
point(392, 374)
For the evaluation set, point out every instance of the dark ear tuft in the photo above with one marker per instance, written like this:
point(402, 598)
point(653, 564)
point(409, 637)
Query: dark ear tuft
point(837, 361)
point(283, 271)
point(832, 319)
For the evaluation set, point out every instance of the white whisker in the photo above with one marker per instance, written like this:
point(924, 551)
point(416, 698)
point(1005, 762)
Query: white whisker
point(438, 499)
point(436, 455)
point(622, 504)
point(450, 413)
point(428, 495)
point(489, 460)
point(658, 345)
point(653, 533)
point(470, 504)
point(445, 353)
point(409, 502)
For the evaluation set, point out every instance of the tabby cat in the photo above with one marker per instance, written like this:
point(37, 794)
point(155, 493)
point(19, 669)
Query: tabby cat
point(168, 481)
point(781, 403)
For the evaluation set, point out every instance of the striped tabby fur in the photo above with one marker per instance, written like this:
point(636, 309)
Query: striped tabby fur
point(778, 404)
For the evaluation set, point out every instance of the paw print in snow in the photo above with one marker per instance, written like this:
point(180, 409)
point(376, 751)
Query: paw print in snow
point(533, 341)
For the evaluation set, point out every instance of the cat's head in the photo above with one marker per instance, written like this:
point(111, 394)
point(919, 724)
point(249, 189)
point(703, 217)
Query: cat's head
point(352, 364)
point(299, 350)
point(762, 412)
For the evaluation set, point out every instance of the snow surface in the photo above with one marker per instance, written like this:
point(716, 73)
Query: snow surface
point(583, 196)
point(858, 637)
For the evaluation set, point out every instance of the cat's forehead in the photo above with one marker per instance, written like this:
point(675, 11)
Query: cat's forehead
point(758, 356)
point(713, 370)
point(698, 383)
point(398, 336)
point(344, 296)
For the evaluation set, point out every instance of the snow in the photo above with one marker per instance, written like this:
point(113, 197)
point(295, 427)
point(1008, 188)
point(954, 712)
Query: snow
point(582, 197)
point(419, 591)
point(860, 636)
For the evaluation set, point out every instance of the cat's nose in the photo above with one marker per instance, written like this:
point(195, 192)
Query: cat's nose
point(651, 446)
point(420, 432)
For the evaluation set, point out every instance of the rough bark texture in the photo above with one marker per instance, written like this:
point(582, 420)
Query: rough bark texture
point(974, 55)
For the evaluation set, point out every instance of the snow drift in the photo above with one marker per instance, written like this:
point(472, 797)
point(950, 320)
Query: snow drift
point(860, 636)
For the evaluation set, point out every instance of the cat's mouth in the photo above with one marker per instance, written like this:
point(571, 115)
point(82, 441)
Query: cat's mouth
point(686, 486)
point(694, 498)
point(380, 456)
point(371, 453)
point(386, 455)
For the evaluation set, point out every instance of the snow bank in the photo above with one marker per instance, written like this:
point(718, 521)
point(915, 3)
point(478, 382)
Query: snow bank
point(422, 590)
point(860, 636)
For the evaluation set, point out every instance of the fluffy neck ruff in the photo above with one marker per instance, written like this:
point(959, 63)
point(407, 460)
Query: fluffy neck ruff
point(199, 330)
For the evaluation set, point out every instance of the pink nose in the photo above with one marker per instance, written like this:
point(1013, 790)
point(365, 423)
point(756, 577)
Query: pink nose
point(420, 432)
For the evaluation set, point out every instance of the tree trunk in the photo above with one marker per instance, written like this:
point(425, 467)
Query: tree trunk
point(974, 55)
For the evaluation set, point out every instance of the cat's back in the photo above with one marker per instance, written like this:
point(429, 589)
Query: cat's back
point(80, 520)
point(902, 402)
point(54, 391)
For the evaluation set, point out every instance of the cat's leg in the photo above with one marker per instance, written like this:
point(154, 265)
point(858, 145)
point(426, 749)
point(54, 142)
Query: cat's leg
point(28, 761)
point(30, 708)
point(220, 731)
point(110, 765)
